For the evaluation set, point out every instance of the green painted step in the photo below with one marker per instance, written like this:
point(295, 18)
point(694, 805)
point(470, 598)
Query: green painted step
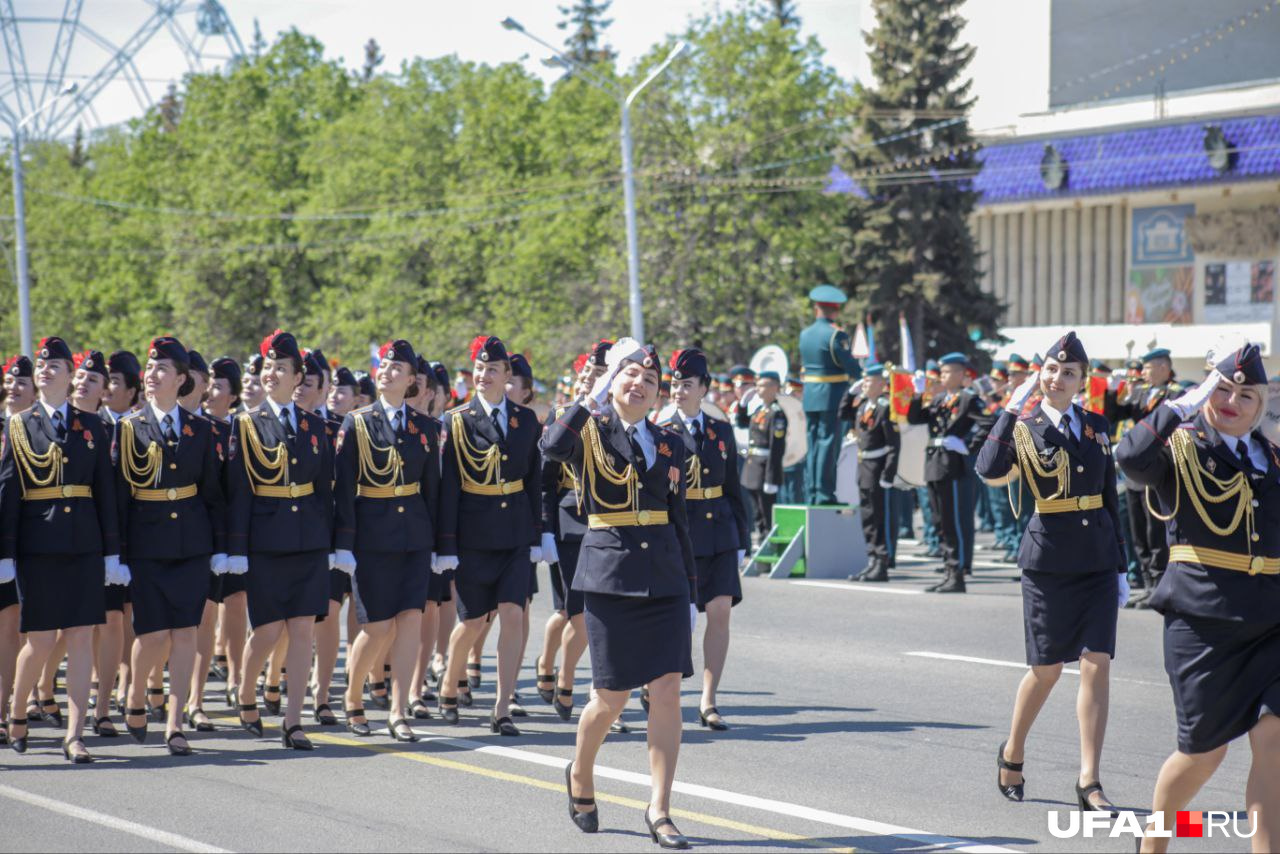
point(781, 540)
point(767, 558)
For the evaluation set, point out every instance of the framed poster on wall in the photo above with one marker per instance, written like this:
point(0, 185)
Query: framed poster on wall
point(1238, 291)
point(1160, 295)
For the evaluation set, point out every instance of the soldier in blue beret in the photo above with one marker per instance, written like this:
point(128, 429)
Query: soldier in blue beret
point(868, 410)
point(829, 366)
point(1215, 480)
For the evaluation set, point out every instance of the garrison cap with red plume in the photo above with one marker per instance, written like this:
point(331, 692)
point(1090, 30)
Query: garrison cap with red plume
point(488, 348)
point(599, 353)
point(168, 347)
point(281, 345)
point(398, 350)
point(687, 363)
point(19, 366)
point(54, 347)
point(580, 363)
point(92, 360)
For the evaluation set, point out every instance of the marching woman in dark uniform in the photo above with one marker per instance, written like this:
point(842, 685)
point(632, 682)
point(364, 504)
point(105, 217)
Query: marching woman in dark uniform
point(636, 571)
point(173, 524)
point(489, 524)
point(1216, 480)
point(1072, 557)
point(387, 494)
point(717, 517)
point(19, 395)
point(280, 529)
point(58, 534)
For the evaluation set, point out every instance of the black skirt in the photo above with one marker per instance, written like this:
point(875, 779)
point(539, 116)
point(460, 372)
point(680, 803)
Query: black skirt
point(117, 595)
point(487, 579)
point(339, 585)
point(1065, 615)
point(8, 595)
point(1225, 675)
point(61, 592)
point(635, 640)
point(440, 587)
point(284, 586)
point(718, 576)
point(222, 587)
point(391, 582)
point(168, 594)
point(563, 596)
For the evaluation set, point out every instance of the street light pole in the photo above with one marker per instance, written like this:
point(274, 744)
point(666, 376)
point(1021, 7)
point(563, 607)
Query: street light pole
point(636, 301)
point(20, 220)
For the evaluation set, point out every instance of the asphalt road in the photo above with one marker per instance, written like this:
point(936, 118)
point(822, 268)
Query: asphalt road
point(864, 717)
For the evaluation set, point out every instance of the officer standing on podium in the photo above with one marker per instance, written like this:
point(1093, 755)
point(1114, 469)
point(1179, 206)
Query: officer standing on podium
point(829, 367)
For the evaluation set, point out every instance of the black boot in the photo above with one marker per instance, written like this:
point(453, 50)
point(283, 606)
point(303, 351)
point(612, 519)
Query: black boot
point(954, 583)
point(869, 568)
point(879, 571)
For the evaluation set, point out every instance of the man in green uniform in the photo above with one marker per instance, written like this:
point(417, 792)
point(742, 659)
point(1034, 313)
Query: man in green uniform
point(828, 369)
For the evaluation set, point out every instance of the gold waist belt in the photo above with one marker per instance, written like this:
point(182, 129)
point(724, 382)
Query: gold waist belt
point(52, 493)
point(174, 494)
point(389, 491)
point(1069, 505)
point(494, 488)
point(626, 519)
point(825, 378)
point(705, 494)
point(293, 490)
point(1252, 564)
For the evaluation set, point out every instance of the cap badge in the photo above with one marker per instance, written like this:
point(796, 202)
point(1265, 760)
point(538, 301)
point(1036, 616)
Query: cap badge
point(271, 354)
point(1239, 377)
point(1062, 355)
point(155, 354)
point(44, 354)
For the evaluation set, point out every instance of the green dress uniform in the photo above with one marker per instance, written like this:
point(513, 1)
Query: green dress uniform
point(829, 366)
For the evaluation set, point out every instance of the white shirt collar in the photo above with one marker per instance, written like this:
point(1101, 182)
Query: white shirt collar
point(175, 414)
point(390, 410)
point(690, 420)
point(1055, 417)
point(276, 408)
point(49, 410)
point(1256, 454)
point(488, 407)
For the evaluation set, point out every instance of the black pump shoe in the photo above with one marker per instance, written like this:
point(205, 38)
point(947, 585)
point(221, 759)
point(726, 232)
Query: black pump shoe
point(51, 711)
point(587, 822)
point(204, 725)
point(183, 749)
point(674, 840)
point(81, 758)
point(295, 738)
point(449, 709)
point(139, 733)
point(564, 711)
point(1011, 791)
point(473, 674)
point(401, 731)
point(464, 694)
point(1086, 805)
point(502, 726)
point(547, 694)
point(360, 728)
point(254, 727)
point(270, 706)
point(705, 718)
point(18, 743)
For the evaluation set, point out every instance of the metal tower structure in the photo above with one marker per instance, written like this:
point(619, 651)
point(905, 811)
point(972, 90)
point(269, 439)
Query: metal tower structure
point(95, 43)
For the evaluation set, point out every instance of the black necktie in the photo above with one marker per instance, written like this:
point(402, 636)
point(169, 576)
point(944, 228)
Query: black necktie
point(496, 415)
point(397, 423)
point(1242, 448)
point(59, 428)
point(636, 450)
point(166, 428)
point(696, 429)
point(1066, 429)
point(286, 422)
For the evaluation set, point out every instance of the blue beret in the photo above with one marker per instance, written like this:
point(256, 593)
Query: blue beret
point(770, 375)
point(741, 371)
point(873, 369)
point(931, 365)
point(828, 293)
point(1244, 366)
point(954, 359)
point(1158, 353)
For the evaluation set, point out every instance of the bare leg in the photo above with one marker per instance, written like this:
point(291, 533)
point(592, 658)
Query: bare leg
point(110, 649)
point(1033, 690)
point(664, 741)
point(715, 649)
point(301, 632)
point(1262, 792)
point(1181, 776)
point(426, 646)
point(126, 652)
point(600, 712)
point(79, 643)
point(328, 639)
point(510, 643)
point(148, 653)
point(235, 628)
point(475, 655)
point(48, 686)
point(31, 658)
point(1092, 703)
point(9, 646)
point(204, 658)
point(574, 640)
point(364, 653)
point(448, 619)
point(460, 642)
point(182, 662)
point(404, 657)
point(276, 664)
point(256, 649)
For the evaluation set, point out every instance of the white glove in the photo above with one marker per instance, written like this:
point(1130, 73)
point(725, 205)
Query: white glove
point(918, 382)
point(444, 563)
point(8, 570)
point(1023, 393)
point(116, 572)
point(535, 554)
point(955, 444)
point(343, 561)
point(886, 484)
point(549, 551)
point(693, 617)
point(237, 565)
point(771, 489)
point(1191, 402)
point(218, 564)
point(1124, 588)
point(742, 555)
point(332, 559)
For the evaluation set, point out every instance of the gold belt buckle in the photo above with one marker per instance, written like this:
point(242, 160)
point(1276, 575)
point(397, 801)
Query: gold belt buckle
point(171, 494)
point(643, 517)
point(399, 490)
point(66, 492)
point(1083, 502)
point(1256, 565)
point(293, 490)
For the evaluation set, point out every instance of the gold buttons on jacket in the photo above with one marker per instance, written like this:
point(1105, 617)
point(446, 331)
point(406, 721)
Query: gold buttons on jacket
point(1084, 522)
point(66, 509)
point(706, 470)
point(173, 515)
point(173, 465)
point(644, 545)
point(504, 458)
point(710, 515)
point(1080, 469)
point(503, 505)
point(399, 509)
point(294, 508)
point(293, 461)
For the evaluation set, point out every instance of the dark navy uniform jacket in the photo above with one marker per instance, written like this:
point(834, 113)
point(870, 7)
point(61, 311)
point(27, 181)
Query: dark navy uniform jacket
point(561, 515)
point(955, 417)
point(716, 525)
point(172, 530)
point(1079, 541)
point(61, 526)
point(766, 431)
point(643, 560)
point(877, 437)
point(491, 522)
point(259, 524)
point(401, 524)
point(1190, 588)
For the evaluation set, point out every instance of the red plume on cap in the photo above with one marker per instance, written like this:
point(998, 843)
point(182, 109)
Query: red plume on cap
point(675, 357)
point(43, 342)
point(13, 360)
point(477, 344)
point(78, 358)
point(580, 363)
point(384, 350)
point(266, 343)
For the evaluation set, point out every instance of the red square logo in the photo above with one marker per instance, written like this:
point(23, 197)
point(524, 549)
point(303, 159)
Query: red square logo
point(1190, 823)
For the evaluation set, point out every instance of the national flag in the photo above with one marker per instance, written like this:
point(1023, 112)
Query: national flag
point(901, 390)
point(908, 357)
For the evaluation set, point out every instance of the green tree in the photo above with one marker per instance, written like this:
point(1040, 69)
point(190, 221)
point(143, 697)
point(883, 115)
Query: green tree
point(908, 247)
point(586, 22)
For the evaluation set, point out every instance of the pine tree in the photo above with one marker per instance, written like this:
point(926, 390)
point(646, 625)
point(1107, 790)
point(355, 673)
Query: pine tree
point(784, 12)
point(78, 156)
point(372, 59)
point(586, 21)
point(908, 247)
point(170, 108)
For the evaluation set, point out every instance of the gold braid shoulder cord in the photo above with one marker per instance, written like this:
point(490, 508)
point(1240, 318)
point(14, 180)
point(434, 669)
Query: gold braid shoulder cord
point(1189, 473)
point(596, 465)
point(274, 460)
point(486, 464)
point(29, 461)
point(139, 473)
point(1029, 461)
point(390, 473)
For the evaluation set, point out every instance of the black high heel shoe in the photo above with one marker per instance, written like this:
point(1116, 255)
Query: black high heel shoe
point(254, 727)
point(418, 709)
point(564, 711)
point(139, 733)
point(324, 715)
point(674, 840)
point(1011, 791)
point(103, 727)
point(449, 710)
point(587, 822)
point(18, 742)
point(464, 694)
point(218, 669)
point(54, 717)
point(232, 696)
point(517, 710)
point(705, 718)
point(473, 674)
point(360, 728)
point(81, 758)
point(189, 717)
point(382, 701)
point(406, 734)
point(295, 738)
point(183, 749)
point(1086, 805)
point(158, 713)
point(502, 726)
point(270, 706)
point(548, 695)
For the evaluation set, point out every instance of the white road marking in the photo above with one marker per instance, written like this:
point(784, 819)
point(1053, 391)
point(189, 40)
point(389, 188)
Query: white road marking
point(933, 841)
point(1021, 665)
point(161, 837)
point(867, 588)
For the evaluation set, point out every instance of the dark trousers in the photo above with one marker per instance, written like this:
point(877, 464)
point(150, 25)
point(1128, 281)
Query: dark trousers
point(879, 523)
point(762, 503)
point(1148, 538)
point(824, 453)
point(944, 501)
